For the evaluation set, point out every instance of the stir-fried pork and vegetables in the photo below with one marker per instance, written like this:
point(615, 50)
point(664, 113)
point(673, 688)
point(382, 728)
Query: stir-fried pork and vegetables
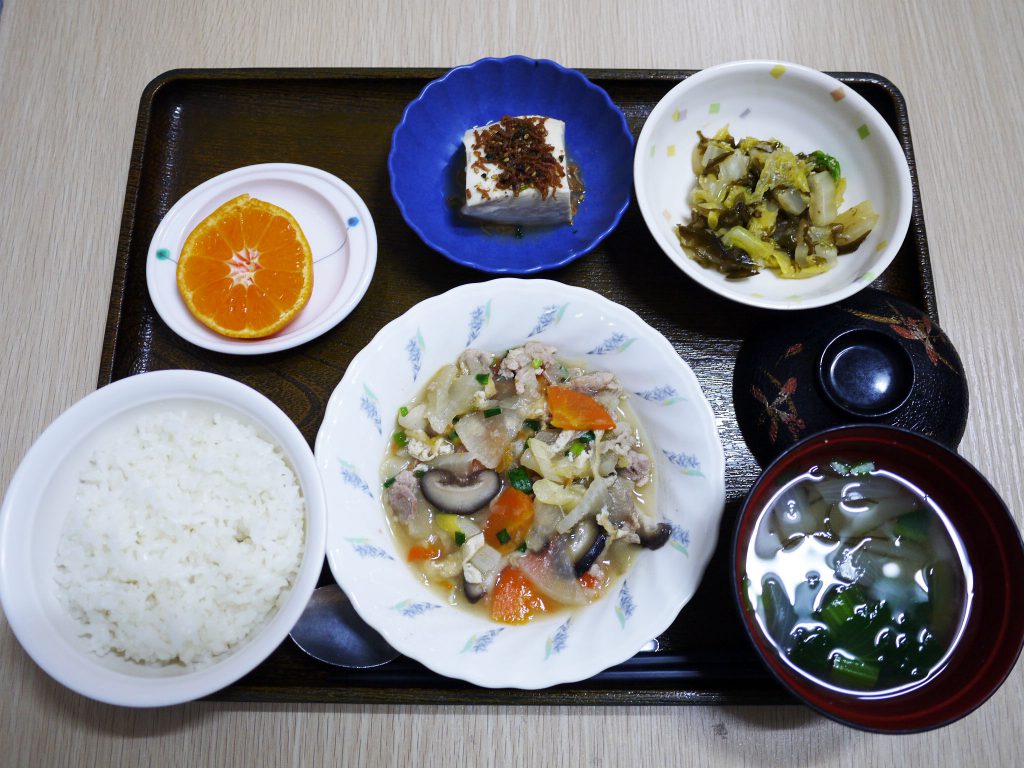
point(757, 205)
point(520, 483)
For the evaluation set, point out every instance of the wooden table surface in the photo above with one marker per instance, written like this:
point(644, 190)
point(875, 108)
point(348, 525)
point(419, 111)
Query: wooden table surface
point(71, 74)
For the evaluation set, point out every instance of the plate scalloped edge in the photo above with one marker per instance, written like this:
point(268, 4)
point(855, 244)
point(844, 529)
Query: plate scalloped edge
point(685, 445)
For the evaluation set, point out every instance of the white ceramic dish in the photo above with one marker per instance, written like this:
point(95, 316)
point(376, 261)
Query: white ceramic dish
point(492, 316)
point(334, 220)
point(38, 501)
point(805, 110)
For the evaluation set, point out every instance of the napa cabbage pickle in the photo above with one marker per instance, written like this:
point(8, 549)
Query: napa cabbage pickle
point(758, 205)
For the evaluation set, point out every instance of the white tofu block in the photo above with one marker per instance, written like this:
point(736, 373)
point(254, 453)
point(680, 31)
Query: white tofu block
point(485, 201)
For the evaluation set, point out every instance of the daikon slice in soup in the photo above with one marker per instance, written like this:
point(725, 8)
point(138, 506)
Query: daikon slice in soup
point(858, 578)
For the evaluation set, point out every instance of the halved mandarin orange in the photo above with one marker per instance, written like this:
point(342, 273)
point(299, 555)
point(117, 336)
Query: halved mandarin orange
point(246, 270)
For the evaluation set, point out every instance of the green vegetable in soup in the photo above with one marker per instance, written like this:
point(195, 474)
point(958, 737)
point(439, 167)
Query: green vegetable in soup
point(880, 587)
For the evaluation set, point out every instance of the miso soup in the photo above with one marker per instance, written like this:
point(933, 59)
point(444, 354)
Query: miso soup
point(858, 578)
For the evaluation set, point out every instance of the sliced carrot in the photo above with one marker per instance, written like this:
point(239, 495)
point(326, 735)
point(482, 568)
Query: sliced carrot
point(589, 581)
point(428, 551)
point(515, 599)
point(574, 410)
point(509, 520)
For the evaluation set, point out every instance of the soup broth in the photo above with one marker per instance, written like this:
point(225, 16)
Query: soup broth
point(858, 578)
point(518, 484)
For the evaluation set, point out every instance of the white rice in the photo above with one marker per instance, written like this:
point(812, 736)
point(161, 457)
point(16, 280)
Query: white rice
point(186, 532)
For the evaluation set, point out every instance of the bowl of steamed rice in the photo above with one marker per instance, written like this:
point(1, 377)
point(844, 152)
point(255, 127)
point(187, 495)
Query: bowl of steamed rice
point(161, 538)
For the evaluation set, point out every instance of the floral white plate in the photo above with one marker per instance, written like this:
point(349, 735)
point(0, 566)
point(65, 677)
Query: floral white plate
point(806, 110)
point(492, 316)
point(334, 220)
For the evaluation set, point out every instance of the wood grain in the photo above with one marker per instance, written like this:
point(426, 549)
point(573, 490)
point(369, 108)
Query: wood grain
point(70, 80)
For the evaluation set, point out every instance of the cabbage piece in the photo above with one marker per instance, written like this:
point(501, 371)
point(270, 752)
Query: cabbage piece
point(546, 461)
point(415, 419)
point(563, 496)
point(595, 498)
point(439, 413)
point(733, 168)
point(790, 200)
point(449, 395)
point(487, 438)
point(824, 205)
point(781, 169)
point(857, 223)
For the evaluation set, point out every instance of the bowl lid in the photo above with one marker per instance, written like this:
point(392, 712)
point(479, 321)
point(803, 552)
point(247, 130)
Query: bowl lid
point(872, 358)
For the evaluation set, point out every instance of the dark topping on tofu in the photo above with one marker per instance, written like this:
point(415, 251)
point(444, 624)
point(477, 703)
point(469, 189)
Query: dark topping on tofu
point(518, 147)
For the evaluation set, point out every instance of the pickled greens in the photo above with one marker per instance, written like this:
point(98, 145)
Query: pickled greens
point(757, 205)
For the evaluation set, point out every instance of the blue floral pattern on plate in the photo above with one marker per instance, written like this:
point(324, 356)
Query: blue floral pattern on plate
point(480, 643)
point(370, 406)
point(626, 606)
point(558, 641)
point(351, 477)
point(680, 540)
point(414, 351)
point(617, 343)
point(365, 549)
point(665, 394)
point(687, 462)
point(479, 318)
point(551, 315)
point(411, 610)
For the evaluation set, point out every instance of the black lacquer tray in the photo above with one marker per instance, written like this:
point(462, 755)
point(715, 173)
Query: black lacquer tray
point(193, 125)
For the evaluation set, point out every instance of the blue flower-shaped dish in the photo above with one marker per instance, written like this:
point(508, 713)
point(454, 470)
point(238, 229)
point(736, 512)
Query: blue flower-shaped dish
point(427, 161)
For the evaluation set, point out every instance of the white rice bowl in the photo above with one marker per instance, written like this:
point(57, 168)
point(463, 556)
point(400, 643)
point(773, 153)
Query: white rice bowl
point(185, 532)
point(571, 644)
point(149, 559)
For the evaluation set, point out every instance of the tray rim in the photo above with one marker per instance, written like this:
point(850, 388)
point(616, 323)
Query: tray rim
point(460, 693)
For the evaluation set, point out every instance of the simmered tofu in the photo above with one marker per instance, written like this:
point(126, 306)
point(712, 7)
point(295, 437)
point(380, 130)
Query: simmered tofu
point(516, 172)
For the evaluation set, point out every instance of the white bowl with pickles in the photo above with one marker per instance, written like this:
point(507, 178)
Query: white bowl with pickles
point(524, 481)
point(773, 184)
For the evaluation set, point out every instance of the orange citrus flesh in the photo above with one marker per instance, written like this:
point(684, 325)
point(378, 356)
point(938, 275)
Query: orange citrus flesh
point(246, 270)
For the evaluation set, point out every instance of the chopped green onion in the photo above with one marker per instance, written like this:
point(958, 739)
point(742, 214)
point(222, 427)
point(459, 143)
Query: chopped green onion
point(460, 538)
point(503, 536)
point(533, 424)
point(862, 468)
point(483, 378)
point(522, 547)
point(840, 468)
point(400, 439)
point(588, 436)
point(419, 473)
point(453, 436)
point(536, 362)
point(492, 412)
point(520, 480)
point(389, 482)
point(403, 411)
point(577, 447)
